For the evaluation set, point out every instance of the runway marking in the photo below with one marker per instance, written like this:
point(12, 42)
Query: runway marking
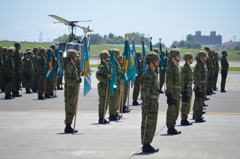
point(161, 112)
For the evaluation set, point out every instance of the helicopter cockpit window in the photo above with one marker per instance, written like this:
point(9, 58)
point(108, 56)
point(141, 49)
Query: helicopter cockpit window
point(75, 47)
point(62, 46)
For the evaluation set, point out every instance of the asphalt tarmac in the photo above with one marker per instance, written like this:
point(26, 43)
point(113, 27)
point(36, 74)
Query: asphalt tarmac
point(30, 128)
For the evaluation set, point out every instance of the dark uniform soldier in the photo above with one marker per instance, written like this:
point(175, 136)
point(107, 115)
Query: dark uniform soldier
point(28, 71)
point(18, 69)
point(173, 91)
point(41, 66)
point(137, 82)
point(162, 76)
point(1, 66)
point(103, 77)
point(210, 71)
point(200, 80)
point(150, 94)
point(49, 84)
point(54, 82)
point(72, 80)
point(59, 80)
point(34, 61)
point(9, 73)
point(4, 58)
point(216, 71)
point(224, 71)
point(186, 88)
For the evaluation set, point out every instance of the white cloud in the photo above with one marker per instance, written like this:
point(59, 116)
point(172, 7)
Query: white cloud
point(18, 28)
point(137, 29)
point(54, 26)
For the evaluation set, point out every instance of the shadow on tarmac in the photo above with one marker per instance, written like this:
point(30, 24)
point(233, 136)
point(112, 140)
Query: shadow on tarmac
point(69, 133)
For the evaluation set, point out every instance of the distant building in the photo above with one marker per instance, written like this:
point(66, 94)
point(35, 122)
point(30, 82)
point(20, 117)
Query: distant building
point(226, 46)
point(205, 40)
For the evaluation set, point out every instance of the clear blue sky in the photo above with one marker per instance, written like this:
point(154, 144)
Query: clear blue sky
point(167, 19)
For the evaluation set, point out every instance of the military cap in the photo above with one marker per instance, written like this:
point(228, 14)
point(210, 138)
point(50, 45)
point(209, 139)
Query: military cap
point(17, 44)
point(188, 56)
point(156, 50)
point(116, 51)
point(138, 54)
point(4, 49)
point(10, 50)
point(29, 52)
point(174, 53)
point(53, 46)
point(224, 52)
point(35, 49)
point(152, 57)
point(207, 48)
point(104, 54)
point(201, 54)
point(72, 53)
point(42, 50)
point(40, 47)
point(60, 52)
point(28, 49)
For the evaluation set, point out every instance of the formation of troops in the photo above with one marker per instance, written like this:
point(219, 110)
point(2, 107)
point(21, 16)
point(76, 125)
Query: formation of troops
point(28, 70)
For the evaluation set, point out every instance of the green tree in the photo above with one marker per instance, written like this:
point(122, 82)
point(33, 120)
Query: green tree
point(190, 37)
point(182, 43)
point(174, 44)
point(237, 47)
point(111, 35)
point(96, 39)
point(62, 38)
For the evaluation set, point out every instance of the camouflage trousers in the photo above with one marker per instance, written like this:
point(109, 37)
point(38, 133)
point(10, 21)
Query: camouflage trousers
point(102, 87)
point(162, 78)
point(223, 81)
point(9, 87)
point(70, 95)
point(211, 79)
point(114, 100)
point(28, 83)
point(17, 81)
point(41, 84)
point(49, 87)
point(3, 84)
point(198, 105)
point(186, 105)
point(172, 112)
point(149, 120)
point(34, 81)
point(136, 88)
point(126, 92)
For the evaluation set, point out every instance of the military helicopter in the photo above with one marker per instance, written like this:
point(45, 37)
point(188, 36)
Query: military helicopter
point(73, 41)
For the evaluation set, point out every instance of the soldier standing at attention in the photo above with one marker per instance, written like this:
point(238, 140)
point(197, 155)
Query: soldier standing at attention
point(1, 66)
point(4, 58)
point(59, 80)
point(186, 88)
point(224, 71)
point(150, 94)
point(200, 80)
point(216, 71)
point(137, 82)
point(49, 83)
point(162, 76)
point(28, 71)
point(34, 61)
point(9, 73)
point(103, 77)
point(72, 80)
point(173, 91)
point(41, 66)
point(18, 69)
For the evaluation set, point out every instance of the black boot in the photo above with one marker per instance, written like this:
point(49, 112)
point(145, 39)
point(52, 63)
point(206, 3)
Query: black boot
point(212, 91)
point(149, 148)
point(206, 98)
point(200, 120)
point(185, 122)
point(17, 94)
point(69, 129)
point(161, 92)
point(208, 93)
point(203, 112)
point(102, 121)
point(113, 118)
point(48, 96)
point(40, 98)
point(205, 105)
point(28, 91)
point(223, 91)
point(8, 96)
point(135, 102)
point(173, 131)
point(53, 95)
point(125, 109)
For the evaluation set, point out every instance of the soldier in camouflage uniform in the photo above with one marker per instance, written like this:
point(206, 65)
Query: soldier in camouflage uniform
point(210, 72)
point(49, 83)
point(72, 80)
point(4, 58)
point(216, 71)
point(41, 66)
point(54, 82)
point(173, 91)
point(28, 71)
point(186, 88)
point(114, 98)
point(162, 77)
point(137, 82)
point(103, 77)
point(18, 70)
point(34, 61)
point(150, 94)
point(1, 66)
point(59, 80)
point(200, 80)
point(224, 71)
point(9, 73)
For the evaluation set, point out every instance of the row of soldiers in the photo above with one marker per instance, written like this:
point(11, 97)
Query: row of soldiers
point(178, 88)
point(27, 70)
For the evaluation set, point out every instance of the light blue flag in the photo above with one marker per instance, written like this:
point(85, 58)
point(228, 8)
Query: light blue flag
point(126, 62)
point(112, 72)
point(132, 70)
point(135, 58)
point(58, 64)
point(85, 67)
point(145, 66)
point(49, 66)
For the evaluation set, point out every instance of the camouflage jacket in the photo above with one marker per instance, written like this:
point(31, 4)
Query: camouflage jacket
point(17, 61)
point(41, 65)
point(173, 81)
point(119, 71)
point(102, 72)
point(9, 67)
point(200, 77)
point(210, 64)
point(34, 61)
point(186, 78)
point(1, 64)
point(71, 74)
point(140, 69)
point(217, 64)
point(224, 63)
point(28, 66)
point(149, 85)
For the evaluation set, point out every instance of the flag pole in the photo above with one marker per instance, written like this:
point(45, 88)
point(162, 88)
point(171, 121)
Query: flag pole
point(106, 99)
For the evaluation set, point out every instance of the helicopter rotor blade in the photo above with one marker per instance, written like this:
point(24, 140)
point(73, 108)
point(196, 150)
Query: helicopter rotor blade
point(60, 19)
point(85, 29)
